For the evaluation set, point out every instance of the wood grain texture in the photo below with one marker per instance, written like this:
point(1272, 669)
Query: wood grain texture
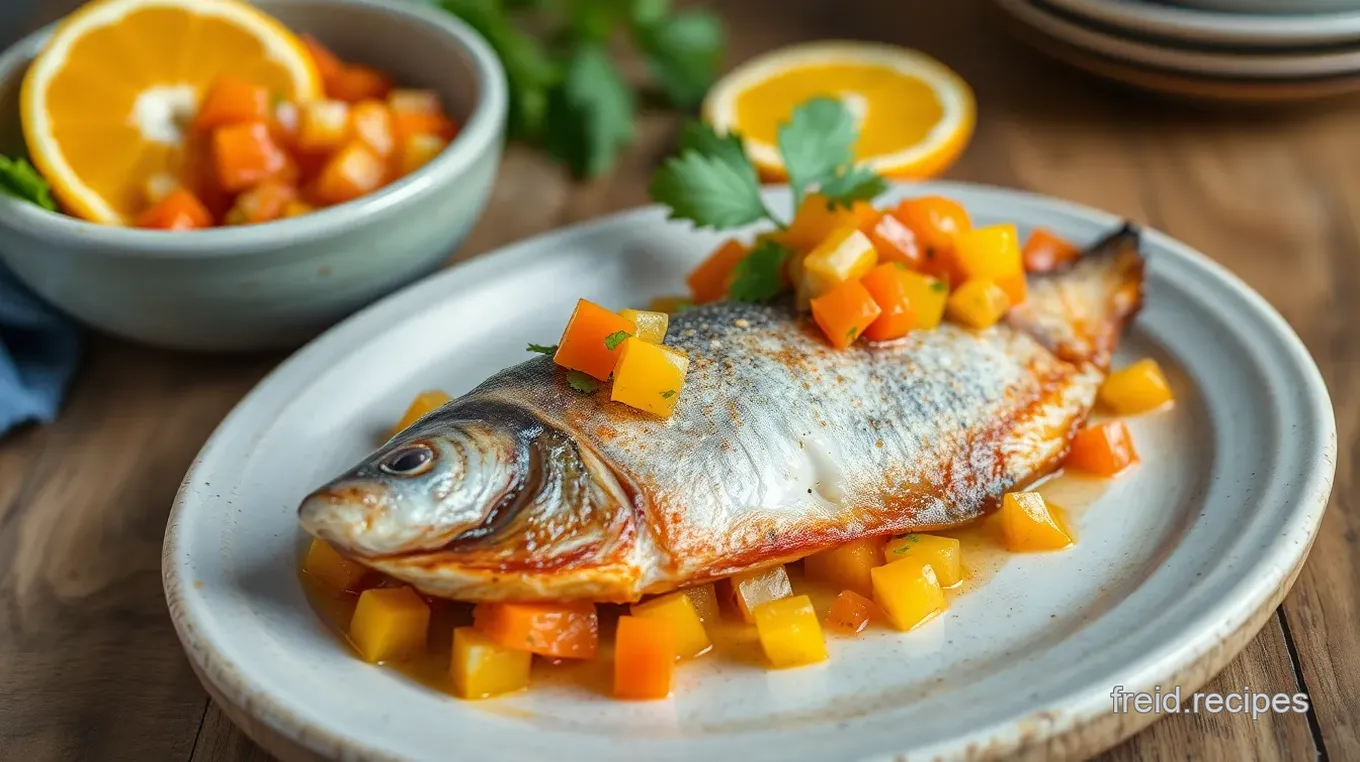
point(92, 667)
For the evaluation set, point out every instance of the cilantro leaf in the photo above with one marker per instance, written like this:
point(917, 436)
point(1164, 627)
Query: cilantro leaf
point(591, 112)
point(816, 142)
point(851, 184)
point(701, 137)
point(683, 53)
point(543, 349)
point(668, 394)
point(648, 12)
point(18, 178)
point(760, 276)
point(582, 383)
point(708, 190)
point(614, 339)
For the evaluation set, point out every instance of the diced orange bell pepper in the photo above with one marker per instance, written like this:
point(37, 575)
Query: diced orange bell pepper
point(231, 100)
point(424, 404)
point(356, 82)
point(1104, 449)
point(371, 123)
point(1028, 524)
point(1136, 389)
point(847, 566)
point(708, 282)
point(323, 126)
point(416, 151)
point(644, 659)
point(481, 668)
point(814, 221)
point(844, 312)
point(1045, 251)
point(789, 632)
point(888, 284)
point(850, 612)
point(750, 589)
point(245, 155)
point(389, 624)
point(559, 630)
point(977, 304)
point(591, 341)
point(262, 203)
point(649, 377)
point(936, 221)
point(178, 210)
point(352, 172)
point(895, 242)
point(677, 610)
point(325, 564)
point(327, 63)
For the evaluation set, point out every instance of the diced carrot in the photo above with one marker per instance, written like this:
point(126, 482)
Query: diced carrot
point(352, 172)
point(844, 312)
point(328, 65)
point(815, 220)
point(371, 123)
point(590, 343)
point(357, 82)
point(245, 155)
point(323, 125)
point(1045, 251)
point(415, 151)
point(850, 612)
point(559, 630)
point(232, 101)
point(178, 210)
point(406, 124)
point(262, 203)
point(936, 221)
point(708, 282)
point(889, 285)
point(895, 242)
point(1103, 449)
point(644, 658)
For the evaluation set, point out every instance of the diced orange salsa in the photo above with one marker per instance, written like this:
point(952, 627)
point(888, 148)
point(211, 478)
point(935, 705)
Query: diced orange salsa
point(178, 210)
point(750, 589)
point(889, 285)
point(847, 565)
point(1045, 251)
point(649, 377)
point(422, 405)
point(559, 630)
point(1104, 449)
point(708, 282)
point(845, 312)
point(644, 658)
point(592, 340)
point(850, 612)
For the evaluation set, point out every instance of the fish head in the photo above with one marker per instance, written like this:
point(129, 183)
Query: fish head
point(446, 478)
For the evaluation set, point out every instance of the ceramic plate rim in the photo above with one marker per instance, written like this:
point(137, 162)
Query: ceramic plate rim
point(1191, 24)
point(1264, 579)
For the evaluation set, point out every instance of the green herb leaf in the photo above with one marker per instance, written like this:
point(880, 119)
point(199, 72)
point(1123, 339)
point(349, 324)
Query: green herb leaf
point(759, 277)
point(648, 12)
point(684, 306)
point(668, 394)
point(591, 113)
point(683, 53)
point(816, 142)
point(582, 383)
point(701, 137)
point(850, 334)
point(851, 184)
point(711, 191)
point(614, 339)
point(18, 178)
point(938, 286)
point(543, 349)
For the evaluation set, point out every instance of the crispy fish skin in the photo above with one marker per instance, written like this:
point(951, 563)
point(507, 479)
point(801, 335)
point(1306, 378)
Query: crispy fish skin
point(780, 446)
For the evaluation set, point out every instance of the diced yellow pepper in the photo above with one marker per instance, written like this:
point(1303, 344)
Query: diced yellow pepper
point(789, 632)
point(705, 600)
point(1028, 524)
point(909, 592)
point(942, 553)
point(978, 304)
point(813, 222)
point(651, 326)
point(750, 589)
point(422, 405)
point(848, 565)
point(649, 377)
point(678, 611)
point(846, 254)
point(389, 624)
point(990, 253)
point(326, 565)
point(1136, 389)
point(481, 668)
point(927, 296)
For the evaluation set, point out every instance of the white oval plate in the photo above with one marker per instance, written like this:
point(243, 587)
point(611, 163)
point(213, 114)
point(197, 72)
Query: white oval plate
point(1177, 566)
point(1339, 24)
point(1265, 65)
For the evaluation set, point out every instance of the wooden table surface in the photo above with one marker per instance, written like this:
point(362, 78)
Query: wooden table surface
point(91, 666)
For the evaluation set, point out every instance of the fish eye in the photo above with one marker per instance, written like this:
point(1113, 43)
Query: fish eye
point(412, 460)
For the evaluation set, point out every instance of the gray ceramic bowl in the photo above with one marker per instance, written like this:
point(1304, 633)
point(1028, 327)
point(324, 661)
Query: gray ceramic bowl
point(279, 283)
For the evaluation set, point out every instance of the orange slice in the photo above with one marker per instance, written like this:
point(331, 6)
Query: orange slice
point(107, 103)
point(915, 115)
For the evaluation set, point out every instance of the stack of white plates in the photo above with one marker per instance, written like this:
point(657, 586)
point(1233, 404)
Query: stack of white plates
point(1238, 50)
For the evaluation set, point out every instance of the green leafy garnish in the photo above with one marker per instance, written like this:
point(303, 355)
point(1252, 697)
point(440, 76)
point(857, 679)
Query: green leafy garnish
point(668, 394)
point(543, 349)
point(816, 143)
point(759, 277)
point(850, 334)
point(18, 178)
point(683, 51)
point(614, 339)
point(591, 113)
point(684, 306)
point(712, 190)
point(581, 382)
point(852, 184)
point(938, 286)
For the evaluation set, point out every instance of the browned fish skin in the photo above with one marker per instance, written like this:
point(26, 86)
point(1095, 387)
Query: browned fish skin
point(779, 446)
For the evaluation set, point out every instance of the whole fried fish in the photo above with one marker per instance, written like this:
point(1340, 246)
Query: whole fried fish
point(780, 446)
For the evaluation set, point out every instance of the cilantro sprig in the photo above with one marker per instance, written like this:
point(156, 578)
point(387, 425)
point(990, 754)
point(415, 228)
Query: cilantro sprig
point(18, 178)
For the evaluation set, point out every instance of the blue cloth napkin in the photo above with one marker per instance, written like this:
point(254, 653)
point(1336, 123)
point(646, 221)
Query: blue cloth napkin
point(39, 351)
